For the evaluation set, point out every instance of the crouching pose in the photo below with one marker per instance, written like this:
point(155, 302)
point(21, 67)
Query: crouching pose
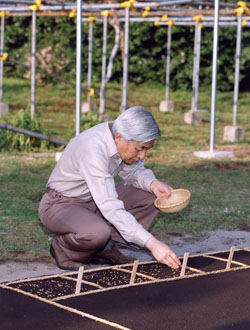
point(90, 214)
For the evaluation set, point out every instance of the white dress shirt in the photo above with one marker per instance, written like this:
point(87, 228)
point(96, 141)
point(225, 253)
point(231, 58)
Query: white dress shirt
point(86, 170)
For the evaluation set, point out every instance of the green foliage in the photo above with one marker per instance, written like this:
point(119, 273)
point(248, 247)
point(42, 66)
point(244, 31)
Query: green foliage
point(88, 120)
point(3, 140)
point(57, 33)
point(147, 52)
point(15, 141)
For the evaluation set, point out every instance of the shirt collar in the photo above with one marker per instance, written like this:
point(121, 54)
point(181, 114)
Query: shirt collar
point(111, 146)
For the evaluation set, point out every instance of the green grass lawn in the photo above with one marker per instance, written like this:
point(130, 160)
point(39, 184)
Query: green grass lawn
point(220, 189)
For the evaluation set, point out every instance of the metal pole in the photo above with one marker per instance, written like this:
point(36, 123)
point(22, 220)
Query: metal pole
point(193, 107)
point(91, 6)
point(1, 62)
point(104, 61)
point(168, 62)
point(90, 57)
point(78, 67)
point(214, 74)
point(237, 69)
point(33, 134)
point(126, 61)
point(198, 52)
point(33, 66)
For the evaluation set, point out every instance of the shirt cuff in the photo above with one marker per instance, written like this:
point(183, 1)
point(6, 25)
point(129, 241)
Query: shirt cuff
point(147, 182)
point(142, 237)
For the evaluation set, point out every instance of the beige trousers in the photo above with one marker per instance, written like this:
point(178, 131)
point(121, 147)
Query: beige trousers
point(80, 228)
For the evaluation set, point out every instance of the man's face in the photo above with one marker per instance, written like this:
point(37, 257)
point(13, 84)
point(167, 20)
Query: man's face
point(133, 151)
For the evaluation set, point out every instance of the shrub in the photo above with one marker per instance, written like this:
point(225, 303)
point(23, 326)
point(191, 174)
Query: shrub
point(88, 120)
point(15, 141)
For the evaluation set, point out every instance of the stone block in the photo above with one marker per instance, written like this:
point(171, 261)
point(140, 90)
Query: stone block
point(88, 106)
point(233, 133)
point(193, 117)
point(4, 109)
point(166, 106)
point(58, 155)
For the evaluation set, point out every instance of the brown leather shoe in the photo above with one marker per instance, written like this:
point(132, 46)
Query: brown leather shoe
point(62, 261)
point(112, 256)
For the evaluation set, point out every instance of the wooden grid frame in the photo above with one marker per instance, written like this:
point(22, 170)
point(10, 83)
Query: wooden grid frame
point(147, 279)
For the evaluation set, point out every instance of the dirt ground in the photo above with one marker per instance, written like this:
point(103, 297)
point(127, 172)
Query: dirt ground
point(218, 240)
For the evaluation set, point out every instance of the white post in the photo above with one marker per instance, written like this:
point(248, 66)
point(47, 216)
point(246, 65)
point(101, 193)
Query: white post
point(237, 69)
point(78, 67)
point(126, 61)
point(214, 75)
point(33, 66)
point(196, 66)
point(90, 57)
point(1, 62)
point(168, 62)
point(104, 61)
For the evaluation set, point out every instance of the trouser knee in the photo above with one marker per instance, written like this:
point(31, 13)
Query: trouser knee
point(86, 241)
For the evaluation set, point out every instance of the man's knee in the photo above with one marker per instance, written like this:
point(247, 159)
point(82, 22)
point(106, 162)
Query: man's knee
point(100, 237)
point(95, 240)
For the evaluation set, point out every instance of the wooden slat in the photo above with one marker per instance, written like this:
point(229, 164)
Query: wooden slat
point(132, 278)
point(230, 258)
point(83, 281)
point(184, 264)
point(79, 280)
point(225, 260)
point(139, 274)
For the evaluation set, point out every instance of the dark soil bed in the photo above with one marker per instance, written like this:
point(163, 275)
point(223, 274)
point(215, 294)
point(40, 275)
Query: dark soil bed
point(210, 302)
point(110, 277)
point(159, 300)
point(19, 312)
point(51, 288)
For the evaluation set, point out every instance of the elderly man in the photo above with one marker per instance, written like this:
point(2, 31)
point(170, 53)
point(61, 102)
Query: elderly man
point(89, 213)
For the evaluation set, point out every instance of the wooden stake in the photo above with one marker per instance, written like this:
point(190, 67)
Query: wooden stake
point(229, 261)
point(132, 278)
point(79, 280)
point(184, 264)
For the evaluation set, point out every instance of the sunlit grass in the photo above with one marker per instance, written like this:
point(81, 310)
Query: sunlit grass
point(220, 188)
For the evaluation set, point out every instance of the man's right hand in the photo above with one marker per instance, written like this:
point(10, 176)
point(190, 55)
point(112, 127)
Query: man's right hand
point(162, 253)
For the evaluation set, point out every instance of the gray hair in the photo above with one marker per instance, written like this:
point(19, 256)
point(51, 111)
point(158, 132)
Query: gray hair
point(136, 124)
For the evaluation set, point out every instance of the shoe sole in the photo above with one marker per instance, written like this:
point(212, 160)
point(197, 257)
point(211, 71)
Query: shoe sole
point(53, 254)
point(112, 260)
point(101, 261)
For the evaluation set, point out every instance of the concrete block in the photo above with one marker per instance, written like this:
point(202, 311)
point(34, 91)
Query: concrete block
point(233, 133)
point(193, 117)
point(166, 106)
point(214, 155)
point(58, 155)
point(4, 109)
point(202, 110)
point(88, 106)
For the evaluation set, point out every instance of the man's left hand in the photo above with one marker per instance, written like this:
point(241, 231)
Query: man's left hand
point(158, 188)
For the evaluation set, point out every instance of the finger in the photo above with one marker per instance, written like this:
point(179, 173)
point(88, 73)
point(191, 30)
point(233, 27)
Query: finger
point(173, 261)
point(168, 191)
point(171, 264)
point(174, 265)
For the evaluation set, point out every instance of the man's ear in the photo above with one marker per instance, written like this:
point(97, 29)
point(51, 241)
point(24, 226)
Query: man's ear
point(118, 137)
